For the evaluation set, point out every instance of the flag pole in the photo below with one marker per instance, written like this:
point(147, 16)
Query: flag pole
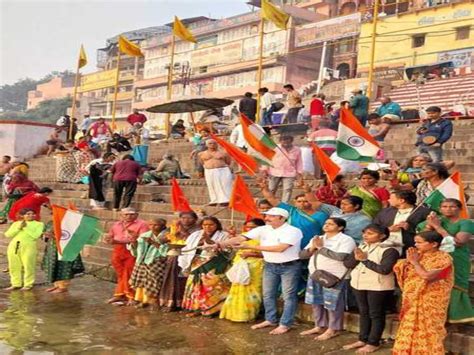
point(169, 92)
point(114, 106)
point(372, 49)
point(260, 65)
point(73, 108)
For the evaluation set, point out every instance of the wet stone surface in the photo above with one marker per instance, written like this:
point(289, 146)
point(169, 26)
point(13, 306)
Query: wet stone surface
point(36, 322)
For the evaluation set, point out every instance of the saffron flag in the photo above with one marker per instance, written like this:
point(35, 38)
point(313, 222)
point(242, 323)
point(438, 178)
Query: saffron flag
point(261, 143)
point(243, 159)
point(181, 31)
point(127, 47)
point(82, 61)
point(242, 200)
point(73, 230)
point(178, 200)
point(272, 13)
point(330, 168)
point(353, 141)
point(452, 187)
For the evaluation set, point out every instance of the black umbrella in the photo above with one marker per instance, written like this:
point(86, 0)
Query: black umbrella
point(190, 105)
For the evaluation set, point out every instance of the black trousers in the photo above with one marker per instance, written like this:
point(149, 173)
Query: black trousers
point(372, 306)
point(125, 188)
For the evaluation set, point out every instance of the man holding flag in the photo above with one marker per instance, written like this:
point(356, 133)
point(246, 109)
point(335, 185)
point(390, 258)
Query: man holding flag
point(217, 174)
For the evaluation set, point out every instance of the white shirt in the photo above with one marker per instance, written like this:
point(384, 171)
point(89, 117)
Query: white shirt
point(266, 100)
point(285, 234)
point(340, 243)
point(237, 137)
point(396, 237)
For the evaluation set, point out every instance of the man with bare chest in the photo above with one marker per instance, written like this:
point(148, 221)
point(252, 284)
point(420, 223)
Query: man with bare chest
point(217, 173)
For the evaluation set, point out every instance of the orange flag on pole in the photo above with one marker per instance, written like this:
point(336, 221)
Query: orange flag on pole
point(331, 169)
point(243, 159)
point(178, 200)
point(242, 200)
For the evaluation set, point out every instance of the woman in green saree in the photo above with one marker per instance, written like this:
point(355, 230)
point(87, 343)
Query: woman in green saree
point(450, 223)
point(58, 273)
point(375, 197)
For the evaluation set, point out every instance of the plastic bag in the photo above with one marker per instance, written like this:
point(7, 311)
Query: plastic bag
point(239, 273)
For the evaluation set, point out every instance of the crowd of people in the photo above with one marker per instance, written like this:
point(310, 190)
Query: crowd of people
point(340, 246)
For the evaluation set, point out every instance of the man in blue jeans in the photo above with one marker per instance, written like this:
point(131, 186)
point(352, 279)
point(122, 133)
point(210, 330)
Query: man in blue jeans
point(280, 246)
point(434, 132)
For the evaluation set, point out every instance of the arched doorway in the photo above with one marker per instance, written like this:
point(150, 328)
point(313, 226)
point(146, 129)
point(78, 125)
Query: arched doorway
point(344, 70)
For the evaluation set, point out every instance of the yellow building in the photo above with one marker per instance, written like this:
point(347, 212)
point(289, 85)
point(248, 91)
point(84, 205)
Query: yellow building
point(420, 37)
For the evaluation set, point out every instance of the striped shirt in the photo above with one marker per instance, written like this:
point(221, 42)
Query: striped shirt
point(324, 138)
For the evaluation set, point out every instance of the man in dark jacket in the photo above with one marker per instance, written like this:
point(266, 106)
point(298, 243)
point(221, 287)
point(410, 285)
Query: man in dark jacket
point(248, 106)
point(401, 218)
point(433, 134)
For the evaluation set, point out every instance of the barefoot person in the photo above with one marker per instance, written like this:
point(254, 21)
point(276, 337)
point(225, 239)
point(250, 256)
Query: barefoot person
point(217, 173)
point(124, 232)
point(327, 253)
point(150, 253)
point(280, 246)
point(373, 282)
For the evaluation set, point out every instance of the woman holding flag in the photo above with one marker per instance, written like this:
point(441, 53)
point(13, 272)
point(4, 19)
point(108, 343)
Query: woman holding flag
point(207, 286)
point(58, 272)
point(451, 224)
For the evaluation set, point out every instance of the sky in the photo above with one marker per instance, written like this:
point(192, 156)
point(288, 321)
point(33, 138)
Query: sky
point(37, 36)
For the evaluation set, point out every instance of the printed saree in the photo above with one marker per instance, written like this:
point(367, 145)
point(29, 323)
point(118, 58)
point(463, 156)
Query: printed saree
point(424, 305)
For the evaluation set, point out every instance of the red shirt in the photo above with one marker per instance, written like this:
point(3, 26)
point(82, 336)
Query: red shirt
point(120, 230)
point(126, 170)
point(316, 107)
point(99, 129)
point(136, 117)
point(31, 200)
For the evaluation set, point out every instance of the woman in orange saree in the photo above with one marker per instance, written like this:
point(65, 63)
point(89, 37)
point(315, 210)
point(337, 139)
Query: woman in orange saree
point(426, 279)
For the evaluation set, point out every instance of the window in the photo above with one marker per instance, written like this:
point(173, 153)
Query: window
point(462, 32)
point(418, 41)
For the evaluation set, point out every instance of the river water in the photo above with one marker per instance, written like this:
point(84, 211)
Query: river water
point(36, 322)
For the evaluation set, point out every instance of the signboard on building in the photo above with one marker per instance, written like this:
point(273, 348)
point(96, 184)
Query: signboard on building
point(460, 58)
point(328, 30)
point(231, 52)
point(98, 80)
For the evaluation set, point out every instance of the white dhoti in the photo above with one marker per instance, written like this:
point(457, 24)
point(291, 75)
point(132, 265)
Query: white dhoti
point(219, 184)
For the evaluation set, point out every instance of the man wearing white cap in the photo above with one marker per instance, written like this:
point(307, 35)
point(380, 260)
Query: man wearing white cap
point(280, 246)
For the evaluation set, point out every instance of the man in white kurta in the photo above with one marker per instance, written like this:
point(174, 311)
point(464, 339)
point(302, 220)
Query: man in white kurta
point(217, 173)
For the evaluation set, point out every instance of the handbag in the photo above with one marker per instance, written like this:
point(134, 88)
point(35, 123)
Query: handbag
point(239, 273)
point(277, 106)
point(325, 278)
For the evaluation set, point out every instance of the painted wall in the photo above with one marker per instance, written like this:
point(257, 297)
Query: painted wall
point(23, 139)
point(395, 36)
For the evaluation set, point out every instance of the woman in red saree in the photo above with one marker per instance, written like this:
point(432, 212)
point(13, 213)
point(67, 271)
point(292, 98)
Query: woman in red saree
point(426, 279)
point(33, 201)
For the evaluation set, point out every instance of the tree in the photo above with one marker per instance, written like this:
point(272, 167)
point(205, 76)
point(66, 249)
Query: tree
point(49, 111)
point(14, 98)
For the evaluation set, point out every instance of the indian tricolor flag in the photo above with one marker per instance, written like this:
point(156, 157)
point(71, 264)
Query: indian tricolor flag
point(353, 141)
point(263, 147)
point(452, 187)
point(73, 230)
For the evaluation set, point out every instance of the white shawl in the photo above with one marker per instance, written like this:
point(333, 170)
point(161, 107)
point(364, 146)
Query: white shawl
point(189, 251)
